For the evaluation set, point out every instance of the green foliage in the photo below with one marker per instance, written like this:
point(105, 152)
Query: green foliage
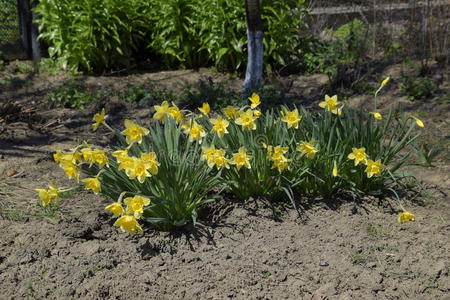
point(12, 82)
point(23, 67)
point(262, 180)
point(214, 93)
point(73, 94)
point(54, 66)
point(427, 154)
point(444, 99)
point(174, 34)
point(96, 34)
point(344, 50)
point(417, 88)
point(337, 136)
point(219, 96)
point(182, 185)
point(92, 34)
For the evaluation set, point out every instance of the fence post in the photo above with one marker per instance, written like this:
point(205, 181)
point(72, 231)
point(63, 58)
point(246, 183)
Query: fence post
point(28, 30)
point(36, 52)
point(23, 9)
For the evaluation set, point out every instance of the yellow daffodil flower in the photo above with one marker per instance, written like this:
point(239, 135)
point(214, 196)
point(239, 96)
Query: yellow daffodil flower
point(220, 160)
point(120, 155)
point(127, 163)
point(281, 163)
point(276, 153)
point(93, 184)
point(385, 81)
point(373, 167)
point(256, 113)
point(134, 132)
point(71, 170)
point(63, 158)
point(241, 159)
point(136, 205)
point(331, 104)
point(307, 148)
point(150, 162)
point(162, 111)
point(100, 158)
point(255, 100)
point(208, 155)
point(376, 115)
point(205, 109)
point(176, 113)
point(129, 224)
point(230, 112)
point(196, 131)
point(359, 155)
point(291, 118)
point(138, 170)
point(115, 208)
point(405, 217)
point(335, 170)
point(419, 122)
point(215, 157)
point(88, 155)
point(46, 196)
point(219, 126)
point(99, 119)
point(246, 120)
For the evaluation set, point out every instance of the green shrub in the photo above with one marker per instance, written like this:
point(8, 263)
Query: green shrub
point(219, 96)
point(93, 34)
point(418, 87)
point(145, 94)
point(193, 32)
point(23, 67)
point(345, 50)
point(54, 66)
point(73, 94)
point(96, 34)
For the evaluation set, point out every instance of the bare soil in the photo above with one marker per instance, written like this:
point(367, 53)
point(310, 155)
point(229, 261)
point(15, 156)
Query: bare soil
point(333, 249)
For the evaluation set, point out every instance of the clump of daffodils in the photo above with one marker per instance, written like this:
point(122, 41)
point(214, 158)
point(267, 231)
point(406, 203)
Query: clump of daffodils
point(162, 174)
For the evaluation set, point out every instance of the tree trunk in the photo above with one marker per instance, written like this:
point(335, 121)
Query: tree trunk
point(254, 72)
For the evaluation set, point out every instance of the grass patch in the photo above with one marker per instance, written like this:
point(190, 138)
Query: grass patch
point(361, 258)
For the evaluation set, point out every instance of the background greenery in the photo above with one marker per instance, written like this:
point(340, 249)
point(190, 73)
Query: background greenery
point(101, 34)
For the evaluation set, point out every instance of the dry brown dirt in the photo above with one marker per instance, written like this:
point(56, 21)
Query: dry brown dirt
point(333, 250)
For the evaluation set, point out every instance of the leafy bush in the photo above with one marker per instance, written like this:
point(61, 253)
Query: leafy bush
point(345, 49)
point(73, 94)
point(54, 66)
point(418, 87)
point(93, 34)
point(194, 32)
point(219, 96)
point(145, 95)
point(23, 67)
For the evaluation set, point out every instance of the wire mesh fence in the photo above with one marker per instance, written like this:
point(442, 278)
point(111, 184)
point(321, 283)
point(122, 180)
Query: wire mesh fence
point(419, 28)
point(10, 37)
